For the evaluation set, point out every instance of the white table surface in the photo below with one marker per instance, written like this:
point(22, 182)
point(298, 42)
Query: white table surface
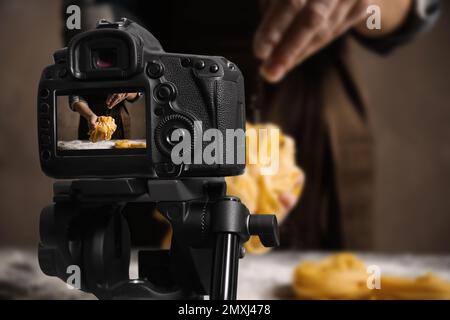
point(260, 277)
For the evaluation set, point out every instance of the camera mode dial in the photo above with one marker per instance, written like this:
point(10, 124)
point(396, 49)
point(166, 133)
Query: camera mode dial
point(165, 129)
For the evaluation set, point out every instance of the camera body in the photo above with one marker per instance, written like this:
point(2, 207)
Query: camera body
point(189, 92)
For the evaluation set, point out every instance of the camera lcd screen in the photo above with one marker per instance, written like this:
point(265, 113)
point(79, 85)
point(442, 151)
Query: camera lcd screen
point(106, 122)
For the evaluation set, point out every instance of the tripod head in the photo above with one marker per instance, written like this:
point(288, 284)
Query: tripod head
point(85, 227)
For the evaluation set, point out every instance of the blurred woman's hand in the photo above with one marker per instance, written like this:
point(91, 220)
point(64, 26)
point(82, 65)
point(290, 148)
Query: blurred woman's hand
point(293, 30)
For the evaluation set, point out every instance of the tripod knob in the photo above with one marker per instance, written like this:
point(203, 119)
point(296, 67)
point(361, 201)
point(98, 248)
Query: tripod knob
point(266, 227)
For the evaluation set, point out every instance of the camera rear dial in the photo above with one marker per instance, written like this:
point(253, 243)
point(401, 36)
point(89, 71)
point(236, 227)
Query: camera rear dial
point(167, 126)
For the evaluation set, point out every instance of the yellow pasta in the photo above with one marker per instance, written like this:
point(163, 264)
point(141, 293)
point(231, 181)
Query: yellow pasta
point(344, 276)
point(337, 277)
point(126, 144)
point(426, 287)
point(262, 193)
point(104, 129)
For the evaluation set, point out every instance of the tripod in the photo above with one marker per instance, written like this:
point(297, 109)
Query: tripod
point(85, 227)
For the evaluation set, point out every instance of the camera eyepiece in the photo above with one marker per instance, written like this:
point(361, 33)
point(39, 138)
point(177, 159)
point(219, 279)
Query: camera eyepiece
point(104, 58)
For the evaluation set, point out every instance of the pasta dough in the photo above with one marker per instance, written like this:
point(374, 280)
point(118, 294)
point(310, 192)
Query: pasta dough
point(426, 287)
point(126, 144)
point(341, 276)
point(262, 193)
point(344, 276)
point(104, 129)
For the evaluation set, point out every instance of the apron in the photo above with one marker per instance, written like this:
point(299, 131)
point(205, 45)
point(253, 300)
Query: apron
point(320, 104)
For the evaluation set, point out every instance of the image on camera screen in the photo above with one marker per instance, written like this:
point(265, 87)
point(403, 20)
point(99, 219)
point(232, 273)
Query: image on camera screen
point(110, 122)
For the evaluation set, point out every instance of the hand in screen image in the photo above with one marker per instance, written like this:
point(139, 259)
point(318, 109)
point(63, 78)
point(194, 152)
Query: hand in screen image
point(114, 99)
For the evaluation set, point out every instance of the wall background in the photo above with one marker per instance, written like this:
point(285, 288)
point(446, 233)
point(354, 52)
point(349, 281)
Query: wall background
point(410, 112)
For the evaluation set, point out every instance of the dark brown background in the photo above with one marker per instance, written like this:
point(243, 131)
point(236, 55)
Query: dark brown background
point(410, 114)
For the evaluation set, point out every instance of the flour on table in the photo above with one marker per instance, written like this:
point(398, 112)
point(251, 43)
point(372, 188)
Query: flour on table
point(87, 145)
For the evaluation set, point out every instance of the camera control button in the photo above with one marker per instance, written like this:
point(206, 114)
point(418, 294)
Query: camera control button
point(165, 92)
point(159, 111)
point(45, 124)
point(45, 139)
point(199, 64)
point(155, 69)
point(168, 170)
point(214, 68)
point(186, 62)
point(46, 155)
point(165, 129)
point(44, 93)
point(44, 108)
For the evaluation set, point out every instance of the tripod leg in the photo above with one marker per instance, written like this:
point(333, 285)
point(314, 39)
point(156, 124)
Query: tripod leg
point(226, 263)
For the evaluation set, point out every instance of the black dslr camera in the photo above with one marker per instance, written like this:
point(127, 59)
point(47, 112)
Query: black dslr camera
point(188, 92)
point(163, 93)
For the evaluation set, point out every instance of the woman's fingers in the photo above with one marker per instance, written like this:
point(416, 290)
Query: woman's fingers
point(287, 37)
point(115, 99)
point(288, 201)
point(343, 18)
point(357, 14)
point(109, 100)
point(276, 21)
point(310, 20)
point(346, 11)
